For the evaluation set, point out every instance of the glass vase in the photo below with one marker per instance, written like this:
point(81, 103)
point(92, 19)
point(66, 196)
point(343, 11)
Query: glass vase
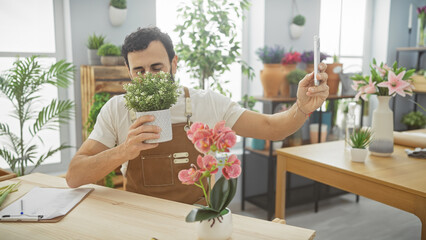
point(421, 28)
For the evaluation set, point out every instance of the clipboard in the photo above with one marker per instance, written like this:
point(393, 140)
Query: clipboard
point(44, 205)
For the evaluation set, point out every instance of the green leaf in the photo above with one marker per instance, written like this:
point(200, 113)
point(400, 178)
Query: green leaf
point(219, 194)
point(199, 214)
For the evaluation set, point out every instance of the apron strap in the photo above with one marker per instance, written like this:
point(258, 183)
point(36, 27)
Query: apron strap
point(188, 109)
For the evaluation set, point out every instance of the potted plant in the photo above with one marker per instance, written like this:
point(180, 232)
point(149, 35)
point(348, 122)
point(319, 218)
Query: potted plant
point(153, 94)
point(21, 85)
point(94, 42)
point(359, 140)
point(117, 12)
point(297, 26)
point(272, 75)
point(293, 79)
point(419, 80)
point(333, 71)
point(307, 57)
point(289, 63)
point(215, 219)
point(110, 55)
point(414, 120)
point(208, 45)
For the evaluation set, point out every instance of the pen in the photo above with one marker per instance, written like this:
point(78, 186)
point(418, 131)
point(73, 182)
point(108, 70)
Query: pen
point(22, 207)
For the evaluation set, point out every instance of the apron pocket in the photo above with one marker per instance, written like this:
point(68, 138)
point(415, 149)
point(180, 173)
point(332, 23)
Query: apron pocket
point(157, 170)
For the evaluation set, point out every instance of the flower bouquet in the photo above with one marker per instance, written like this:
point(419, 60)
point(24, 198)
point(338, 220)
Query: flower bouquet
point(291, 58)
point(209, 142)
point(385, 82)
point(153, 94)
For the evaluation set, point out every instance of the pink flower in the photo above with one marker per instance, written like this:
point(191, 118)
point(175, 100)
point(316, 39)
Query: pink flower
point(207, 163)
point(220, 128)
point(291, 58)
point(189, 176)
point(226, 141)
point(203, 139)
point(370, 88)
point(395, 84)
point(232, 168)
point(382, 70)
point(195, 127)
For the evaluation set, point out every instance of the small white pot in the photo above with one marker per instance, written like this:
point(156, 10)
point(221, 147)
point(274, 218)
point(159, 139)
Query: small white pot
point(217, 228)
point(162, 120)
point(117, 16)
point(296, 31)
point(358, 154)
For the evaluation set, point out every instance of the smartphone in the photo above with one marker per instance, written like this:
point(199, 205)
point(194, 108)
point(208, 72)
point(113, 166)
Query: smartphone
point(316, 58)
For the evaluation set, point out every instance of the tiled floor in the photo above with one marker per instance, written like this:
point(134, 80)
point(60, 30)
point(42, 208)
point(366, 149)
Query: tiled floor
point(342, 218)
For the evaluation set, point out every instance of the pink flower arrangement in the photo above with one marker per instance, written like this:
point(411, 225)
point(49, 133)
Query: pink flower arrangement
point(210, 141)
point(291, 58)
point(383, 81)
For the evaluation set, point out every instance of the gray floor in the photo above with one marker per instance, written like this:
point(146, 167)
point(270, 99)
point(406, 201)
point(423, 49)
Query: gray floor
point(342, 218)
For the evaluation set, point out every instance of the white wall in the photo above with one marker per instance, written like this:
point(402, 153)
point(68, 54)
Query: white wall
point(92, 17)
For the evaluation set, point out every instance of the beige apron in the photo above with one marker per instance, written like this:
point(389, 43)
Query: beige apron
point(155, 171)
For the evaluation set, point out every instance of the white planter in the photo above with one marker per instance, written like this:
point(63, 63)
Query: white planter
point(92, 55)
point(162, 120)
point(117, 16)
point(215, 229)
point(296, 31)
point(358, 154)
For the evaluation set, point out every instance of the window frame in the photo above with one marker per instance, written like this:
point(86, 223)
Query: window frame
point(67, 132)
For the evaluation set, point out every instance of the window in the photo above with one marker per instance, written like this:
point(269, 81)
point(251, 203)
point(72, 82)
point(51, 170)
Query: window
point(342, 26)
point(167, 21)
point(29, 28)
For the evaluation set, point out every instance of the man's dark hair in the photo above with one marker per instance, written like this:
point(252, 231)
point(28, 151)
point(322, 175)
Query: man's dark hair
point(140, 40)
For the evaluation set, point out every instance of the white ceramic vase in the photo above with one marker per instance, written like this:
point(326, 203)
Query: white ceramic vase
point(219, 228)
point(117, 16)
point(358, 154)
point(296, 31)
point(382, 127)
point(163, 120)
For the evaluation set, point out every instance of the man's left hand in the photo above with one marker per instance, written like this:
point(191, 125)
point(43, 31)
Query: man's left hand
point(309, 96)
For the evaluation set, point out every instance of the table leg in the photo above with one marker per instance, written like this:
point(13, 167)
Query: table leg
point(280, 187)
point(420, 212)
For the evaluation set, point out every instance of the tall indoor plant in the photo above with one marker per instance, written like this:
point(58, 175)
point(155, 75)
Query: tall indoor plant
point(153, 94)
point(272, 75)
point(21, 85)
point(385, 82)
point(212, 46)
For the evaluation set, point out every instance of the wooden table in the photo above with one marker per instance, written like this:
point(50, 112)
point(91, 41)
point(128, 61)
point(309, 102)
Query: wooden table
point(398, 181)
point(115, 214)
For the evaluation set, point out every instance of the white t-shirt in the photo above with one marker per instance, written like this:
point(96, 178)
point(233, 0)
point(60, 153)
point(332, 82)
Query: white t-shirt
point(208, 107)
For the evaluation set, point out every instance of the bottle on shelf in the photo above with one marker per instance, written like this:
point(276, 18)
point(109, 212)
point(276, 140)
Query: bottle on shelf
point(350, 123)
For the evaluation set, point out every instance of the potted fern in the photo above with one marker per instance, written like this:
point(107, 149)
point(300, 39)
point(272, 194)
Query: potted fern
point(297, 26)
point(117, 12)
point(359, 140)
point(153, 94)
point(94, 42)
point(414, 120)
point(21, 85)
point(110, 55)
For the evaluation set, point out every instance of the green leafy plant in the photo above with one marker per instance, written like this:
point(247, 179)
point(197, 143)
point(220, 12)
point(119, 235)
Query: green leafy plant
point(99, 100)
point(95, 41)
point(151, 92)
point(5, 190)
point(295, 76)
point(248, 102)
point(360, 138)
point(414, 120)
point(121, 4)
point(335, 58)
point(212, 46)
point(299, 20)
point(270, 54)
point(109, 49)
point(21, 86)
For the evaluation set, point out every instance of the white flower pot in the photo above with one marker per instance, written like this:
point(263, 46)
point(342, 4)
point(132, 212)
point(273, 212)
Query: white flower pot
point(162, 120)
point(382, 126)
point(358, 154)
point(296, 31)
point(117, 16)
point(217, 228)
